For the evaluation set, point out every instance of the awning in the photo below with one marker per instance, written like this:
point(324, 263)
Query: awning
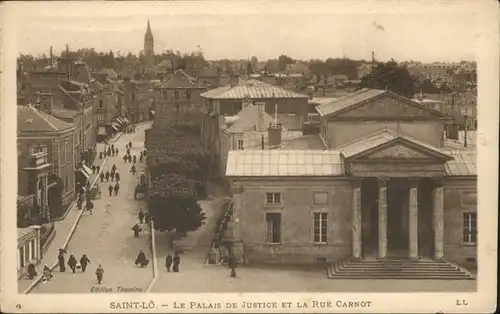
point(101, 130)
point(120, 120)
point(114, 127)
point(84, 173)
point(87, 169)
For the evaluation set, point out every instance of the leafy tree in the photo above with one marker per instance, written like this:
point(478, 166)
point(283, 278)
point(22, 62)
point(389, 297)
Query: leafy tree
point(428, 87)
point(392, 76)
point(283, 61)
point(174, 204)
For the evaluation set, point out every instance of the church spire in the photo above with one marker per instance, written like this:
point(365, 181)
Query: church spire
point(148, 30)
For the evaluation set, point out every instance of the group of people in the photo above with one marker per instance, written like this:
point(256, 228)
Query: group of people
point(110, 151)
point(32, 273)
point(72, 262)
point(113, 175)
point(175, 261)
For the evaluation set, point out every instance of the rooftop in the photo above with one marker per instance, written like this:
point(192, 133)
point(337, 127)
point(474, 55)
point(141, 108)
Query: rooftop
point(284, 163)
point(464, 162)
point(179, 79)
point(30, 119)
point(22, 232)
point(252, 89)
point(64, 113)
point(349, 100)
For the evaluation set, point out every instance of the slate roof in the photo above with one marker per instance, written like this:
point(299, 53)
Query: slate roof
point(253, 89)
point(180, 79)
point(248, 120)
point(464, 162)
point(270, 163)
point(348, 100)
point(378, 138)
point(30, 119)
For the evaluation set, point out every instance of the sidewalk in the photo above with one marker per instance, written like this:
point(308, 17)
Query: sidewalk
point(63, 229)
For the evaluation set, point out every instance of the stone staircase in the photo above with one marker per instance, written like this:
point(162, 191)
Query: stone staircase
point(396, 269)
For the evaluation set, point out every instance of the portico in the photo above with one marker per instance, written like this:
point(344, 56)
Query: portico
point(397, 205)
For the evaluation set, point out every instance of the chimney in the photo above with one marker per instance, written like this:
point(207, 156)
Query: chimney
point(261, 112)
point(233, 80)
point(274, 135)
point(51, 58)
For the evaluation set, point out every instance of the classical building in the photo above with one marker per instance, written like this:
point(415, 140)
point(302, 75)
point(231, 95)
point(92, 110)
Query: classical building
point(177, 100)
point(291, 108)
point(45, 143)
point(388, 186)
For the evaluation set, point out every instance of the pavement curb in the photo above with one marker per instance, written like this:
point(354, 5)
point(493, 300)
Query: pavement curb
point(155, 264)
point(68, 239)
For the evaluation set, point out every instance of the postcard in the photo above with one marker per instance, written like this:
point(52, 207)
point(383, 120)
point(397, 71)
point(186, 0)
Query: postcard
point(249, 156)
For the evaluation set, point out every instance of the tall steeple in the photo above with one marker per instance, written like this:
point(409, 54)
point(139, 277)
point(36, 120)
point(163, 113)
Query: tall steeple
point(149, 52)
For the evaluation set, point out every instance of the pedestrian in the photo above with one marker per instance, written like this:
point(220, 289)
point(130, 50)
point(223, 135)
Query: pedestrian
point(31, 271)
point(112, 175)
point(147, 218)
point(129, 158)
point(168, 262)
point(98, 168)
point(72, 263)
point(109, 151)
point(141, 159)
point(128, 151)
point(101, 175)
point(134, 159)
point(93, 169)
point(144, 153)
point(117, 188)
point(125, 158)
point(60, 259)
point(113, 168)
point(141, 215)
point(117, 177)
point(99, 272)
point(140, 154)
point(100, 156)
point(90, 206)
point(177, 261)
point(132, 169)
point(84, 261)
point(232, 264)
point(112, 146)
point(47, 274)
point(79, 202)
point(136, 230)
point(141, 259)
point(107, 175)
point(110, 189)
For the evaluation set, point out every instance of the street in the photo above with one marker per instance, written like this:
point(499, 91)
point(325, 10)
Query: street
point(106, 236)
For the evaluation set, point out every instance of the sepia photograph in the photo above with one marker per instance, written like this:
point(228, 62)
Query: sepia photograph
point(242, 151)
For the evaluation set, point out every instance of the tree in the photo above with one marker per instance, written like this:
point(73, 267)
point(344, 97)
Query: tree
point(390, 75)
point(283, 61)
point(174, 204)
point(428, 87)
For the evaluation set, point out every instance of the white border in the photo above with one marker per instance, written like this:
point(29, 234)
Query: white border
point(488, 99)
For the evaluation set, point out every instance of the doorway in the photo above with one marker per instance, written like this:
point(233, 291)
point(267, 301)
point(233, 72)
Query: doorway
point(425, 218)
point(397, 218)
point(369, 217)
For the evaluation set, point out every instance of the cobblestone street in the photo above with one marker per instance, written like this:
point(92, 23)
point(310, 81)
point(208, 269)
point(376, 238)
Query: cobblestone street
point(106, 236)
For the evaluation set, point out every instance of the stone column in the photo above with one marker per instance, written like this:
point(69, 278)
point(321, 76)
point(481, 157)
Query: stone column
point(413, 220)
point(438, 220)
point(237, 245)
point(356, 219)
point(382, 217)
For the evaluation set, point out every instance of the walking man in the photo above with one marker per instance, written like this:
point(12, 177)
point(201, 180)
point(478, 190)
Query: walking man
point(117, 177)
point(232, 265)
point(99, 272)
point(101, 175)
point(60, 259)
point(141, 215)
point(110, 189)
point(177, 261)
point(84, 261)
point(168, 262)
point(107, 175)
point(72, 263)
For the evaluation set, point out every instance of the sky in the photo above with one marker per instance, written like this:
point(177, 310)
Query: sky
point(240, 30)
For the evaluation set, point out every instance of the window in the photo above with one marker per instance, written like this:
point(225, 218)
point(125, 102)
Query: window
point(165, 95)
point(273, 227)
point(101, 104)
point(469, 198)
point(100, 118)
point(188, 95)
point(320, 224)
point(63, 154)
point(176, 94)
point(240, 144)
point(320, 198)
point(470, 228)
point(34, 151)
point(273, 198)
